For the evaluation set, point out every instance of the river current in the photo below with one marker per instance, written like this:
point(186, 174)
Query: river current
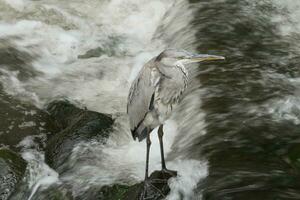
point(235, 134)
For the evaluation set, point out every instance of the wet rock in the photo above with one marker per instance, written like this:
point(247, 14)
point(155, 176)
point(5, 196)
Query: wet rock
point(77, 125)
point(114, 192)
point(12, 169)
point(53, 192)
point(19, 120)
point(63, 113)
point(156, 189)
point(97, 52)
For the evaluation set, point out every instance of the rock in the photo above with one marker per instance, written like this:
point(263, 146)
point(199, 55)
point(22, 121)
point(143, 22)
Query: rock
point(114, 192)
point(54, 192)
point(157, 189)
point(77, 125)
point(12, 169)
point(63, 112)
point(97, 52)
point(19, 120)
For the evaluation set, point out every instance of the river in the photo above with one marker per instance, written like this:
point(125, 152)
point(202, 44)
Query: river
point(235, 134)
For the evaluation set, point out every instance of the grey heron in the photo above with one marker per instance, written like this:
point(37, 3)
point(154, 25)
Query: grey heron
point(154, 93)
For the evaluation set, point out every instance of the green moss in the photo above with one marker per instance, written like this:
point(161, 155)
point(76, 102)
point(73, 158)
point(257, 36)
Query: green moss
point(115, 192)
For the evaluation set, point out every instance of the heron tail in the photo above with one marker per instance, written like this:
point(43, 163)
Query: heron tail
point(141, 132)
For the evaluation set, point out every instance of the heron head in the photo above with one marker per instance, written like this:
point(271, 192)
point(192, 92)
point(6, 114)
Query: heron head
point(171, 57)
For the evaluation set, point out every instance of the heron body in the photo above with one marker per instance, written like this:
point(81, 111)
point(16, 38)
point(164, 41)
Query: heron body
point(153, 95)
point(155, 92)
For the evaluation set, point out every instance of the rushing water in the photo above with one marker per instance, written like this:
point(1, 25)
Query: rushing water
point(235, 134)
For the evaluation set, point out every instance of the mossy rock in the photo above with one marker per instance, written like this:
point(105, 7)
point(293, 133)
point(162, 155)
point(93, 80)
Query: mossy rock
point(54, 192)
point(115, 192)
point(12, 169)
point(158, 188)
point(77, 125)
point(109, 192)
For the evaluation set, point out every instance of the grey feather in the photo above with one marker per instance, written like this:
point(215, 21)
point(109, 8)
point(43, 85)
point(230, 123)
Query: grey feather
point(140, 95)
point(152, 95)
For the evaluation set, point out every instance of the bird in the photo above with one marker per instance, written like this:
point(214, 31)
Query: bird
point(156, 91)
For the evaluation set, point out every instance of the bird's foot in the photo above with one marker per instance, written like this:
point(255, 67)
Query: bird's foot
point(156, 186)
point(169, 173)
point(163, 176)
point(147, 189)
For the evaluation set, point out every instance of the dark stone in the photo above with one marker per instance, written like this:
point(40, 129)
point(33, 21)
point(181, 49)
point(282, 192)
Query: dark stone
point(12, 169)
point(19, 120)
point(63, 112)
point(97, 52)
point(77, 125)
point(157, 188)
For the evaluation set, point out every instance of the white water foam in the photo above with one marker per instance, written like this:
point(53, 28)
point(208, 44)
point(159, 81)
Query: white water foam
point(38, 173)
point(287, 108)
point(96, 164)
point(289, 17)
point(287, 20)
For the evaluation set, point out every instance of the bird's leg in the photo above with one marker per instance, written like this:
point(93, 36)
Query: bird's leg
point(143, 194)
point(160, 137)
point(163, 163)
point(148, 143)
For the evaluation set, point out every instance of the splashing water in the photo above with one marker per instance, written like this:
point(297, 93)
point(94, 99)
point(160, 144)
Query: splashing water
point(91, 51)
point(59, 35)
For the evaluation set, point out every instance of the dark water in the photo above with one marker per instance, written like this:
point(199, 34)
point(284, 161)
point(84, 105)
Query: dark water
point(250, 103)
point(252, 153)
